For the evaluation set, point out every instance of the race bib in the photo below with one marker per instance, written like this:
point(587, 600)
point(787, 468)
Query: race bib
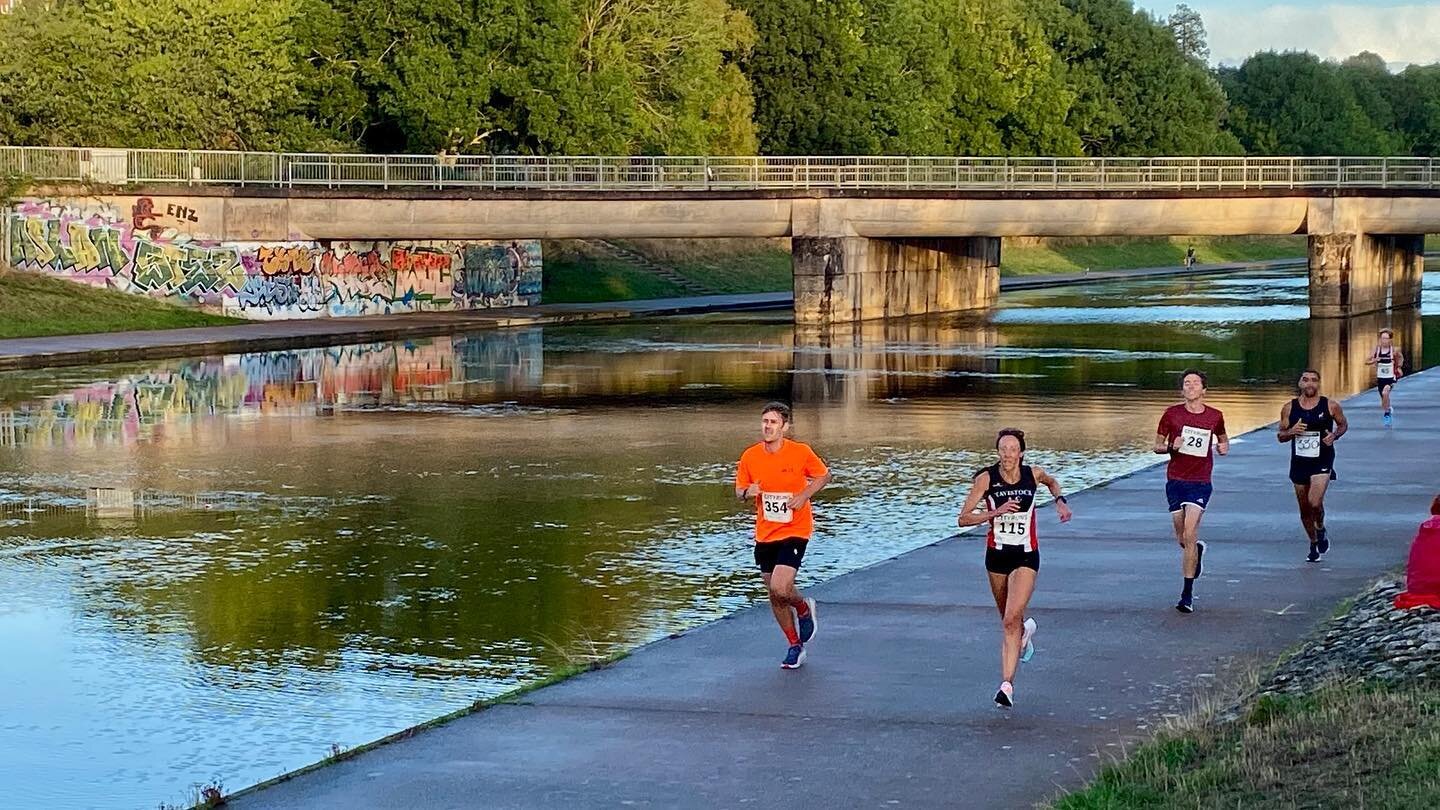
point(1195, 441)
point(1012, 529)
point(1385, 369)
point(775, 507)
point(1307, 445)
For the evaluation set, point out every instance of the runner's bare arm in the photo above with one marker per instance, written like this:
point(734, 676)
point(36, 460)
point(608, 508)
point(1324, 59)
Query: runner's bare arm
point(968, 515)
point(1399, 361)
point(1374, 356)
point(1284, 434)
point(1222, 444)
point(815, 485)
point(1162, 443)
point(747, 493)
point(1341, 423)
point(1048, 481)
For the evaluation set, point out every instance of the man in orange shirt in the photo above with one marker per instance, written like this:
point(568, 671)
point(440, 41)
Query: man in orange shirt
point(782, 475)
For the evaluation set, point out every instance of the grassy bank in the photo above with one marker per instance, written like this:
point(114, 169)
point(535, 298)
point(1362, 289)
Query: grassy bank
point(32, 305)
point(1039, 257)
point(1342, 746)
point(577, 273)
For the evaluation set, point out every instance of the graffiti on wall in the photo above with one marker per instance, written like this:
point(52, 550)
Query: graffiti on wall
point(151, 252)
point(138, 407)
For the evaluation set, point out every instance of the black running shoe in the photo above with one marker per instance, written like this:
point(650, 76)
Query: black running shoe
point(1314, 555)
point(1199, 557)
point(1322, 541)
point(1184, 605)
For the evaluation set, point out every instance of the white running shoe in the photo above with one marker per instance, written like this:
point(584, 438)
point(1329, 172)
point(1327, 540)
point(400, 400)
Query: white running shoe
point(1005, 695)
point(1027, 648)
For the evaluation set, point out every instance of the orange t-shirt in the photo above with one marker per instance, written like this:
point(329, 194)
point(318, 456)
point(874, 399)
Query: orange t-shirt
point(781, 475)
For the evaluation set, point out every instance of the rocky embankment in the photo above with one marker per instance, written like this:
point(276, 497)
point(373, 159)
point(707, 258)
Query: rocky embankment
point(1372, 641)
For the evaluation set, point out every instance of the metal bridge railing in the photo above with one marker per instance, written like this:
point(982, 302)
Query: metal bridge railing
point(599, 173)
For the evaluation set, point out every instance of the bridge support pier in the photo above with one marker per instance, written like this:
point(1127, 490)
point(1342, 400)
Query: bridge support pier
point(1356, 273)
point(853, 278)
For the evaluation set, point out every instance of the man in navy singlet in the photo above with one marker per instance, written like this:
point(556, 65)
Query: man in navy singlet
point(1187, 431)
point(1311, 424)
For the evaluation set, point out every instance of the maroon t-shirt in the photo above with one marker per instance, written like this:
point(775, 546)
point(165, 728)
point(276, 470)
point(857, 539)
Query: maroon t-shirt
point(1194, 461)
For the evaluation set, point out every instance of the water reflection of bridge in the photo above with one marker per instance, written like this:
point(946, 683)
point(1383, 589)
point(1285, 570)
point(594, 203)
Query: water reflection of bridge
point(845, 363)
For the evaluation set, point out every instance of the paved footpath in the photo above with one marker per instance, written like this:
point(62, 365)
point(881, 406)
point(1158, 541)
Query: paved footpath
point(894, 705)
point(112, 347)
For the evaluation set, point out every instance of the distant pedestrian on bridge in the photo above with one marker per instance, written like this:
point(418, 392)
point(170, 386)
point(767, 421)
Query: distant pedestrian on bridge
point(1312, 424)
point(1389, 362)
point(1187, 432)
point(781, 475)
point(1012, 549)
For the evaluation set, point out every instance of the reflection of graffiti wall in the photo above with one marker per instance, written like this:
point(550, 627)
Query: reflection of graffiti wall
point(154, 250)
point(303, 381)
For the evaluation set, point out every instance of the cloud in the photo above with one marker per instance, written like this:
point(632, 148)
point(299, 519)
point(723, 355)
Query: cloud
point(1400, 34)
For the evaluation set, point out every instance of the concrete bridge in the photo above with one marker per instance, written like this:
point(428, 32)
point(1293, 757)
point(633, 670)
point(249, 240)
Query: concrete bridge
point(871, 237)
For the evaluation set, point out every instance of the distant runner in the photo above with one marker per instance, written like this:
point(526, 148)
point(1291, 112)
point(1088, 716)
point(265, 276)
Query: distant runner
point(1187, 431)
point(1012, 550)
point(782, 475)
point(1388, 361)
point(1312, 424)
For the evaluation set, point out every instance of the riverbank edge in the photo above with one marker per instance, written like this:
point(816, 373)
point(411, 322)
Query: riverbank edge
point(957, 536)
point(1366, 650)
point(50, 351)
point(342, 754)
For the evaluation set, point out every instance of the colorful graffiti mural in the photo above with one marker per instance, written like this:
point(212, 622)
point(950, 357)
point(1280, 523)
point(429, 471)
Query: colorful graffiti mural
point(152, 253)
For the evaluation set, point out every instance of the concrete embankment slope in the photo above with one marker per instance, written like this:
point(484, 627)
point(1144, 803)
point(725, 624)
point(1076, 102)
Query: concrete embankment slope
point(114, 347)
point(894, 704)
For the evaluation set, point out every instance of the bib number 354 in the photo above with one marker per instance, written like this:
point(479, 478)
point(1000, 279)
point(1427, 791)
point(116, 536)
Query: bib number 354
point(775, 507)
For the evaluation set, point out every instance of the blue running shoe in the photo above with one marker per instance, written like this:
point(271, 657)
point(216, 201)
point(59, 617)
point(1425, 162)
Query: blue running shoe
point(794, 658)
point(1322, 541)
point(1027, 644)
point(1387, 419)
point(805, 625)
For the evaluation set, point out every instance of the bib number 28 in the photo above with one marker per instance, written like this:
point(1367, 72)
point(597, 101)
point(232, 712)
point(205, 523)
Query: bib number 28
point(1195, 441)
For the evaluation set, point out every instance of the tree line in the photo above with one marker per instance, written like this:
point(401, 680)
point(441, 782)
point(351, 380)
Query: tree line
point(934, 77)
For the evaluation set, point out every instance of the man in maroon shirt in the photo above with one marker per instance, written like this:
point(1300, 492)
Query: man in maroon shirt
point(1187, 431)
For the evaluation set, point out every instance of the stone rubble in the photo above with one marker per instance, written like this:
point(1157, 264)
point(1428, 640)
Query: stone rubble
point(1372, 641)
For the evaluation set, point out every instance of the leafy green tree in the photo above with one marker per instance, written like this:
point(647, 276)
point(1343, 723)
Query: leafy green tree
point(1137, 93)
point(1188, 28)
point(160, 73)
point(553, 76)
point(1294, 104)
point(1417, 108)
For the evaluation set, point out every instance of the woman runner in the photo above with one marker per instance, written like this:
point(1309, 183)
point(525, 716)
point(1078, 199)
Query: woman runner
point(1012, 555)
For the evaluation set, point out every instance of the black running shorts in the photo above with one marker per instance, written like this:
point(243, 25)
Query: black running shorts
point(1005, 559)
point(789, 551)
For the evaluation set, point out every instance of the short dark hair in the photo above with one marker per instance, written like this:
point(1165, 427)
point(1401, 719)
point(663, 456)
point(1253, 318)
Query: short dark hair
point(777, 407)
point(1016, 432)
point(1204, 381)
point(1310, 371)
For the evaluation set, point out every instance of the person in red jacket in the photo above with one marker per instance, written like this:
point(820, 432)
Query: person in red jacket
point(1422, 574)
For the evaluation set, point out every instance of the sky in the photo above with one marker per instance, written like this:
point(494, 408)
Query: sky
point(1402, 33)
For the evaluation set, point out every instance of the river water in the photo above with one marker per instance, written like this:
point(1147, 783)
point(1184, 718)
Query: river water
point(217, 569)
